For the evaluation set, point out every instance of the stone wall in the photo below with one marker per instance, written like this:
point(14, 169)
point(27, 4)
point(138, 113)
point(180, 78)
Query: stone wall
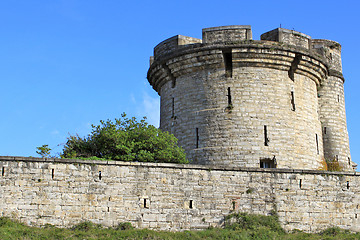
point(234, 101)
point(332, 106)
point(173, 197)
point(226, 34)
point(288, 36)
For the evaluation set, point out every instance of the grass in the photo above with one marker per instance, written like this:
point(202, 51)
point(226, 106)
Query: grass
point(237, 226)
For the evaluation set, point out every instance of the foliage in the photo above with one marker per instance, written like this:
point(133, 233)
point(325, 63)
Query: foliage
point(237, 221)
point(324, 165)
point(256, 227)
point(44, 150)
point(334, 166)
point(125, 139)
point(86, 226)
point(333, 231)
point(331, 165)
point(124, 226)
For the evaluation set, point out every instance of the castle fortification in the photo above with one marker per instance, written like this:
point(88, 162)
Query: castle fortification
point(259, 116)
point(175, 197)
point(234, 101)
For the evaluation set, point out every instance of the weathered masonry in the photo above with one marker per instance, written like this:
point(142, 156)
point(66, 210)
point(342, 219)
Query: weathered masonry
point(259, 117)
point(233, 101)
point(174, 197)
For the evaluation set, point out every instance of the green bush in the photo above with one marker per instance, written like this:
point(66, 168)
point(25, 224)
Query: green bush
point(237, 221)
point(243, 226)
point(7, 222)
point(124, 226)
point(334, 166)
point(125, 139)
point(86, 226)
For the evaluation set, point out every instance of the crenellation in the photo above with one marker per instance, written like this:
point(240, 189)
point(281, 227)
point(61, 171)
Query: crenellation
point(287, 36)
point(259, 117)
point(274, 82)
point(172, 44)
point(223, 34)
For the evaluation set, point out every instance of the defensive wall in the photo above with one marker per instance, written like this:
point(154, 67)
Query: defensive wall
point(234, 101)
point(173, 197)
point(252, 112)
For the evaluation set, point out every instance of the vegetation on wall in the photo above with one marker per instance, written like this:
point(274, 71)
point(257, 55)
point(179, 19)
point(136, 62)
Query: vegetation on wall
point(334, 166)
point(331, 165)
point(125, 139)
point(245, 226)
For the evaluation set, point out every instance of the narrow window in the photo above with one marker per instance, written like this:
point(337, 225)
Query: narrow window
point(191, 204)
point(292, 101)
point(324, 130)
point(227, 54)
point(99, 175)
point(108, 209)
point(229, 96)
point(3, 171)
point(338, 98)
point(52, 173)
point(300, 183)
point(349, 160)
point(347, 185)
point(337, 158)
point(266, 142)
point(317, 143)
point(233, 205)
point(197, 137)
point(355, 215)
point(173, 108)
point(146, 205)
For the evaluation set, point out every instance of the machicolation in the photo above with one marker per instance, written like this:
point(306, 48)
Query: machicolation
point(234, 101)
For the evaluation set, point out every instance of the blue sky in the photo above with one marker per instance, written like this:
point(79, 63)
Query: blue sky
point(67, 64)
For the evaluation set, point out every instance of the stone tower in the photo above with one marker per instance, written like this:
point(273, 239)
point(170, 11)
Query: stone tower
point(233, 101)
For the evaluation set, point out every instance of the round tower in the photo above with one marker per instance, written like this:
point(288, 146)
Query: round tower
point(233, 101)
point(332, 106)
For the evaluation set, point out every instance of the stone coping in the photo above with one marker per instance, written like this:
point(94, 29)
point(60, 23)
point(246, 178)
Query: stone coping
point(229, 27)
point(284, 30)
point(171, 165)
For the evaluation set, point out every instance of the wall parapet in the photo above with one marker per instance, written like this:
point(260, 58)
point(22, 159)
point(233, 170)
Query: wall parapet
point(163, 196)
point(172, 165)
point(225, 96)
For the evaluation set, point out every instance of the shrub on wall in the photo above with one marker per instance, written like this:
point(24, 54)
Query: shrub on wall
point(334, 166)
point(125, 139)
point(323, 165)
point(330, 165)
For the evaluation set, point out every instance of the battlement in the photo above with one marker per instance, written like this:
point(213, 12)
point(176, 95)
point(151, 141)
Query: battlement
point(257, 120)
point(320, 43)
point(287, 36)
point(234, 101)
point(242, 35)
point(226, 34)
point(173, 43)
point(330, 50)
